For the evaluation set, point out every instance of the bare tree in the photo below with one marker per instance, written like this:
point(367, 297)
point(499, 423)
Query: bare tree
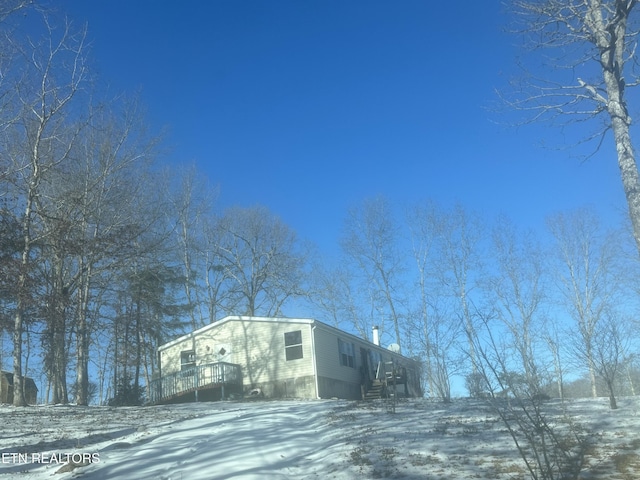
point(551, 337)
point(371, 243)
point(111, 210)
point(610, 353)
point(339, 298)
point(54, 70)
point(586, 277)
point(518, 290)
point(259, 261)
point(596, 40)
point(459, 236)
point(213, 273)
point(191, 205)
point(422, 233)
point(434, 325)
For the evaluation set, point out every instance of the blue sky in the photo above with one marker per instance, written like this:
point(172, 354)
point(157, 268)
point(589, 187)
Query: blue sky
point(308, 107)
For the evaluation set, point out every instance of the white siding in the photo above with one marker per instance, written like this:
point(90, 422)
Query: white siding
point(257, 346)
point(328, 357)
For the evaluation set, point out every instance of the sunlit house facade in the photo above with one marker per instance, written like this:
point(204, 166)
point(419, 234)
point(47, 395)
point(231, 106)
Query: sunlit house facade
point(278, 358)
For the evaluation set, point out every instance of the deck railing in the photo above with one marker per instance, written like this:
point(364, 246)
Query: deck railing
point(192, 379)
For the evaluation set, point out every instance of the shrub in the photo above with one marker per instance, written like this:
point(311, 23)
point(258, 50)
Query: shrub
point(127, 394)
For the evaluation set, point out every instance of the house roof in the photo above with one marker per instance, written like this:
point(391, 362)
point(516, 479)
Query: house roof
point(232, 318)
point(293, 321)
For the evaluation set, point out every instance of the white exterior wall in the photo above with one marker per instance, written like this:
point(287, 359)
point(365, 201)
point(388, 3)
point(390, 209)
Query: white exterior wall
point(337, 380)
point(258, 346)
point(328, 358)
point(334, 379)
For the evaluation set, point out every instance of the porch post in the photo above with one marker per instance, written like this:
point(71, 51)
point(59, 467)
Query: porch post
point(195, 364)
point(224, 367)
point(159, 389)
point(197, 380)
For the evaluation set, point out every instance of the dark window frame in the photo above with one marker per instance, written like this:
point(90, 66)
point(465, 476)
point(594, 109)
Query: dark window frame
point(293, 345)
point(347, 353)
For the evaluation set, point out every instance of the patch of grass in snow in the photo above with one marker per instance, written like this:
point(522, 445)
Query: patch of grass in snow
point(387, 468)
point(335, 417)
point(504, 467)
point(489, 423)
point(469, 429)
point(627, 464)
point(441, 428)
point(343, 413)
point(388, 454)
point(418, 459)
point(360, 456)
point(383, 473)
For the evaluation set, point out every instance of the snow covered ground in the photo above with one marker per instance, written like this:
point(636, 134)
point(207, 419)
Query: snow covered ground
point(323, 439)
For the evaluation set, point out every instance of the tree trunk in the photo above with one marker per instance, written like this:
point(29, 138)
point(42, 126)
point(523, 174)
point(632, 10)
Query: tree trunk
point(557, 365)
point(592, 378)
point(611, 44)
point(136, 382)
point(612, 398)
point(57, 326)
point(82, 369)
point(592, 371)
point(116, 351)
point(390, 302)
point(628, 169)
point(18, 390)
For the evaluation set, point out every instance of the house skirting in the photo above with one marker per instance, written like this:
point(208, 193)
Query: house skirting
point(305, 387)
point(332, 388)
point(297, 387)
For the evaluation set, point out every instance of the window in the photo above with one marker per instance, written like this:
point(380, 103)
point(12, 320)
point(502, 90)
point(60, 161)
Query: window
point(187, 359)
point(293, 345)
point(347, 353)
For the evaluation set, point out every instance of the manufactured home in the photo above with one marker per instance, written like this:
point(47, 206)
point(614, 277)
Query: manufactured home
point(279, 358)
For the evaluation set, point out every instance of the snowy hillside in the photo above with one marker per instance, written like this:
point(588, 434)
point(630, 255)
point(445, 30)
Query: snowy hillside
point(321, 439)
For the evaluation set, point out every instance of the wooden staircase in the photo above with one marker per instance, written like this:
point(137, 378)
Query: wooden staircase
point(375, 392)
point(384, 386)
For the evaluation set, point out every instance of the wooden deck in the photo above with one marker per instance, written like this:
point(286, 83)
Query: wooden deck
point(213, 381)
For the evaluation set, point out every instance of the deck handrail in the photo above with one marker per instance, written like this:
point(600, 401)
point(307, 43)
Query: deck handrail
point(191, 379)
